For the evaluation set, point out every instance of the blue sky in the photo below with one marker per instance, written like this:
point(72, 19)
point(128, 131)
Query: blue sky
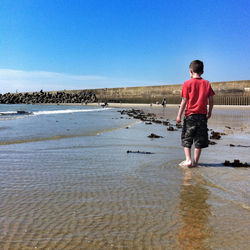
point(77, 44)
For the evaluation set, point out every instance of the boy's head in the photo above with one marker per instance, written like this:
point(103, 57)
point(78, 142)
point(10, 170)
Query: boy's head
point(196, 67)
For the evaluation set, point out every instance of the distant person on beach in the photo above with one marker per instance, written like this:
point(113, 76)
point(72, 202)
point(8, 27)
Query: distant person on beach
point(164, 102)
point(195, 93)
point(105, 104)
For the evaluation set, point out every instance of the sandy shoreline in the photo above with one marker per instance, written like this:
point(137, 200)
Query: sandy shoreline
point(142, 105)
point(146, 105)
point(169, 112)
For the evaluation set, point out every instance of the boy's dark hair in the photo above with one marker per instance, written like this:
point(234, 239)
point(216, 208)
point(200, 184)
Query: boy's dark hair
point(197, 66)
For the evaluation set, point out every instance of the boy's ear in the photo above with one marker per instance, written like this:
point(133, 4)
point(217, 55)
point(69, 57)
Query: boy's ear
point(191, 73)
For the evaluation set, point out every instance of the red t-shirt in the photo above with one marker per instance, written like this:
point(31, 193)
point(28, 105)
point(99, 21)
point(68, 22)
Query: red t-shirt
point(196, 91)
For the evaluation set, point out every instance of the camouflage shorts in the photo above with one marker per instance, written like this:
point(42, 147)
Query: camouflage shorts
point(195, 131)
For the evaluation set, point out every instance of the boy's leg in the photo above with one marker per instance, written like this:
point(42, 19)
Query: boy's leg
point(201, 138)
point(188, 161)
point(197, 153)
point(187, 135)
point(187, 152)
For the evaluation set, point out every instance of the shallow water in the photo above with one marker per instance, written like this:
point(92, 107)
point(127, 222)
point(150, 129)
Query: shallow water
point(68, 183)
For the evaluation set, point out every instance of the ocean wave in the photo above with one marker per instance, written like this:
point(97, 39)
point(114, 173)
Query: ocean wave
point(67, 111)
point(7, 115)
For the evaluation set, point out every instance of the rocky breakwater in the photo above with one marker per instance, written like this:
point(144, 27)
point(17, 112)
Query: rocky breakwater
point(48, 97)
point(149, 118)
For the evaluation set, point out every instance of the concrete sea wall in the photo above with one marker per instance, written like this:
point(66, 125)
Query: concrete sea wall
point(234, 93)
point(227, 93)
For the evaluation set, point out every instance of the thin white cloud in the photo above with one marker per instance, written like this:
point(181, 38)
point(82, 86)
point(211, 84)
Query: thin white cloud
point(22, 81)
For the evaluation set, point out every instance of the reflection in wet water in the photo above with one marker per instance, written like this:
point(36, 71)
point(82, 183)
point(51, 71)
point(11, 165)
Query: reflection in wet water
point(194, 211)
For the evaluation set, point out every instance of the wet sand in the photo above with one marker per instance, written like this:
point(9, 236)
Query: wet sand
point(214, 206)
point(90, 194)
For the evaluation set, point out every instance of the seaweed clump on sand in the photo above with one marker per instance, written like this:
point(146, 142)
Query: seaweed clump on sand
point(171, 128)
point(154, 136)
point(242, 146)
point(236, 163)
point(215, 135)
point(139, 152)
point(212, 142)
point(178, 125)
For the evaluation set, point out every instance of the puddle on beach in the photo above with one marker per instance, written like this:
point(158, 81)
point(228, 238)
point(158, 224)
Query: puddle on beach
point(66, 194)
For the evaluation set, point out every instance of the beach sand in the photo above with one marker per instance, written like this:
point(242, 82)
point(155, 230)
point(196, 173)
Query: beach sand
point(211, 219)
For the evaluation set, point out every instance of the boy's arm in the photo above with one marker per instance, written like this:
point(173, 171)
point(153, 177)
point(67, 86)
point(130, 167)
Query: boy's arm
point(182, 107)
point(211, 105)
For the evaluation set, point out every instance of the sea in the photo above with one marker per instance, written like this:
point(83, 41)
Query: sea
point(67, 181)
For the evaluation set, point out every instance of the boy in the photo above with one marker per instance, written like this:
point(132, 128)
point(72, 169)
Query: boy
point(195, 93)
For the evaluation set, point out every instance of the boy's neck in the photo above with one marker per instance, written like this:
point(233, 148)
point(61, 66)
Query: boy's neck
point(195, 75)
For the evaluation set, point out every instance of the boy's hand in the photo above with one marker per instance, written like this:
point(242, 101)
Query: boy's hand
point(181, 109)
point(178, 119)
point(209, 115)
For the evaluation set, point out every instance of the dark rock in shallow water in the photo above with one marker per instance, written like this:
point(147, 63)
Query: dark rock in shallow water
point(138, 152)
point(154, 136)
point(212, 142)
point(166, 123)
point(236, 163)
point(242, 146)
point(215, 135)
point(178, 125)
point(228, 127)
point(170, 128)
point(157, 121)
point(148, 123)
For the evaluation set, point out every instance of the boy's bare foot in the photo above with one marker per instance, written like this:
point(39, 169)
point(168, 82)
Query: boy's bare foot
point(185, 164)
point(194, 165)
